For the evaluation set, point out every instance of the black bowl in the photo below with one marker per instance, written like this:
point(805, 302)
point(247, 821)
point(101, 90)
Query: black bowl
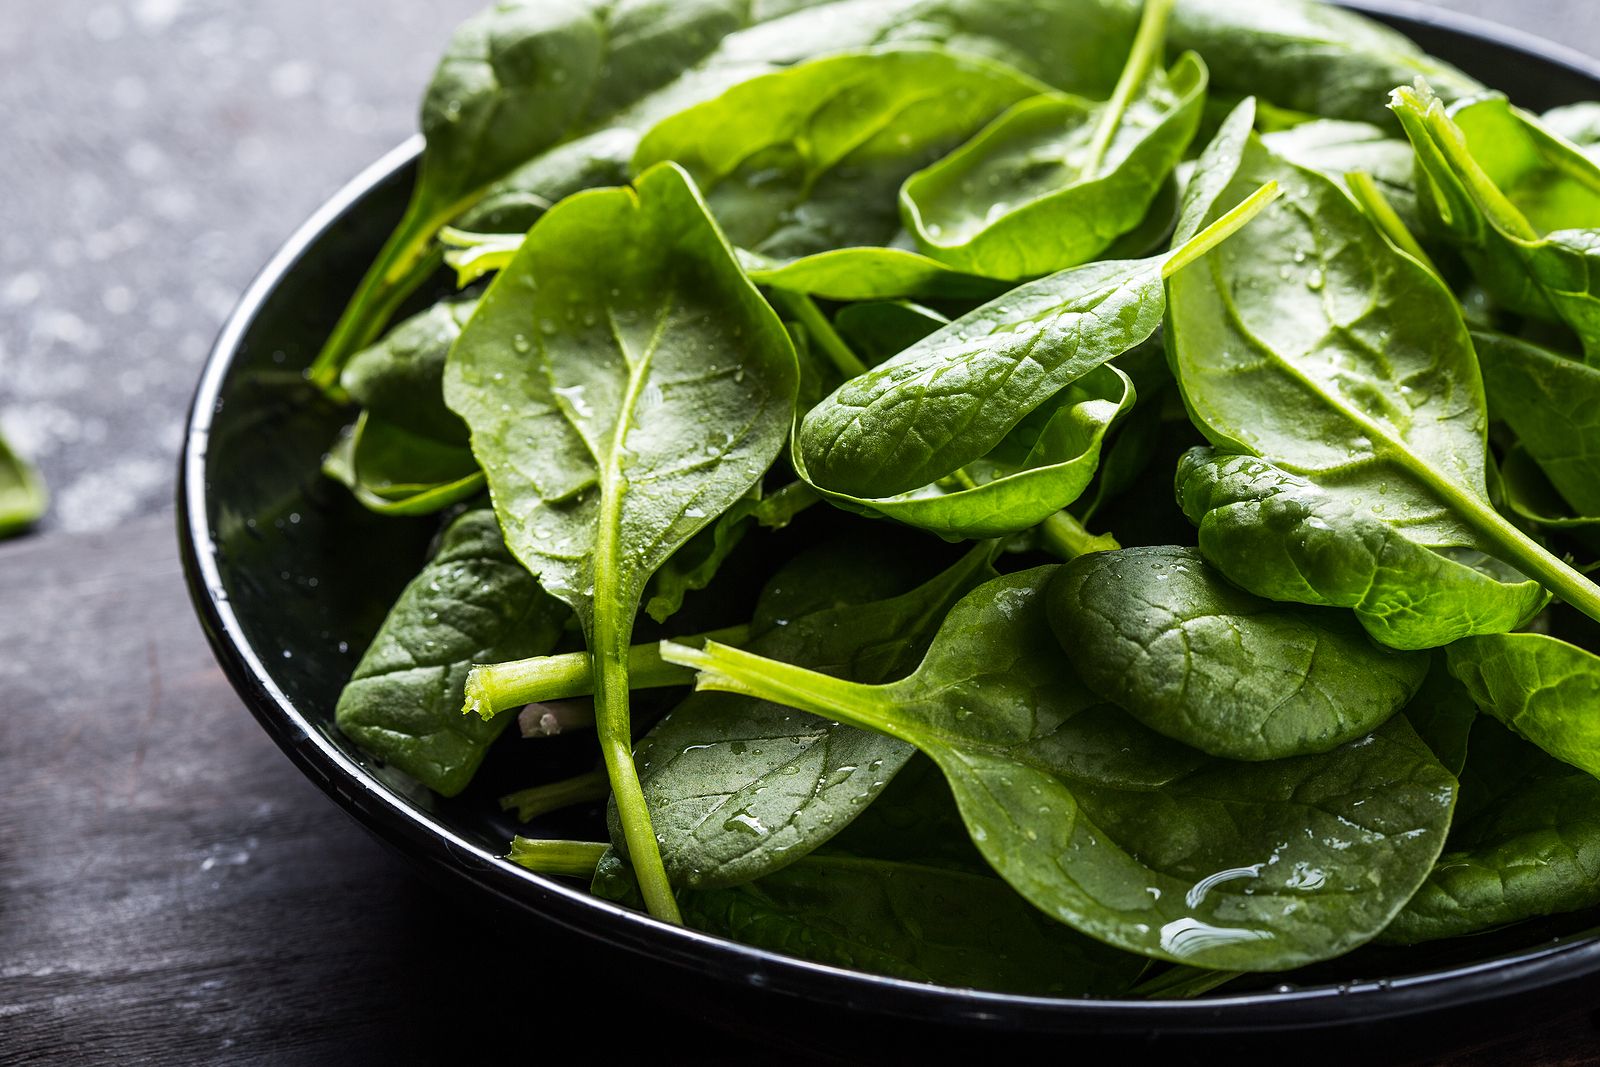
point(291, 578)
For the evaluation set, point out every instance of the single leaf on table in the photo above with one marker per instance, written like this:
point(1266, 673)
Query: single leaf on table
point(1521, 204)
point(1161, 634)
point(1284, 537)
point(1055, 180)
point(955, 397)
point(22, 494)
point(743, 787)
point(1312, 342)
point(1553, 405)
point(1544, 689)
point(473, 601)
point(1123, 834)
point(1525, 843)
point(394, 471)
point(515, 79)
point(625, 385)
point(901, 918)
point(809, 159)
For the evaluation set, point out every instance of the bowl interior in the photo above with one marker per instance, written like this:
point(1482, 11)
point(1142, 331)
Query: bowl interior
point(292, 577)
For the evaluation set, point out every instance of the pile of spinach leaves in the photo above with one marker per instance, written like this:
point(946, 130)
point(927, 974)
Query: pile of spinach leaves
point(1038, 495)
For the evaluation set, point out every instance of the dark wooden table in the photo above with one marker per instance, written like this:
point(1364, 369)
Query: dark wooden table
point(171, 889)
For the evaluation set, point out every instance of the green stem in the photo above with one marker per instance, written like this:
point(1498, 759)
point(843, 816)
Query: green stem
point(1534, 560)
point(543, 799)
point(1063, 536)
point(1146, 50)
point(806, 313)
point(1388, 221)
point(472, 255)
point(732, 670)
point(576, 859)
point(498, 687)
point(1225, 227)
point(404, 263)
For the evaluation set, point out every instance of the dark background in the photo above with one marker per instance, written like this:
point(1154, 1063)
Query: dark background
point(171, 890)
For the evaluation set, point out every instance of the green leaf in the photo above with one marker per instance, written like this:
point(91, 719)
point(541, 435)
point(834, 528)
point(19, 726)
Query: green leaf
point(1526, 842)
point(1553, 405)
point(1338, 148)
point(1443, 714)
point(1521, 204)
point(1056, 179)
point(880, 329)
point(1123, 834)
point(625, 385)
point(394, 471)
point(1544, 689)
point(810, 158)
point(514, 203)
point(1310, 341)
point(742, 787)
point(472, 602)
point(1284, 537)
point(1158, 632)
point(400, 380)
point(955, 397)
point(22, 494)
point(515, 79)
point(1578, 123)
point(869, 274)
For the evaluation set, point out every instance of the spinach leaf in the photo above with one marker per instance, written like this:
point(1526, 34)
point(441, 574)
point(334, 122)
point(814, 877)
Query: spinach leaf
point(1339, 149)
point(1521, 204)
point(952, 398)
point(1043, 464)
point(1123, 834)
point(809, 159)
point(22, 494)
point(694, 565)
point(1544, 689)
point(742, 787)
point(1526, 842)
point(1310, 341)
point(1578, 123)
point(869, 273)
point(1443, 714)
point(514, 203)
point(1553, 404)
point(394, 471)
point(653, 388)
point(880, 329)
point(1160, 634)
point(899, 918)
point(1284, 537)
point(473, 601)
point(400, 380)
point(515, 79)
point(1056, 179)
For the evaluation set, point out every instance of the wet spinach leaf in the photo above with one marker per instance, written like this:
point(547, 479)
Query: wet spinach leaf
point(1123, 834)
point(1161, 634)
point(654, 387)
point(472, 602)
point(1544, 689)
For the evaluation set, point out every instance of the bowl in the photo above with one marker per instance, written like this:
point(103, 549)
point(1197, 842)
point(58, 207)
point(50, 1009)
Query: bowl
point(291, 578)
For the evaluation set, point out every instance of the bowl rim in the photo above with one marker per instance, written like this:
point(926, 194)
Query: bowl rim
point(418, 835)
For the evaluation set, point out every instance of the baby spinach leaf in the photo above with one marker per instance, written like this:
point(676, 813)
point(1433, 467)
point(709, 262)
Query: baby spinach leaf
point(1284, 537)
point(1578, 123)
point(878, 330)
point(1056, 179)
point(869, 274)
point(1159, 633)
point(1526, 842)
point(1553, 404)
point(472, 602)
point(1442, 713)
point(515, 79)
point(809, 159)
point(1121, 833)
point(1544, 689)
point(400, 380)
point(653, 386)
point(901, 918)
point(694, 565)
point(1043, 464)
point(22, 493)
point(742, 787)
point(952, 398)
point(1521, 204)
point(1338, 149)
point(395, 471)
point(514, 203)
point(1310, 341)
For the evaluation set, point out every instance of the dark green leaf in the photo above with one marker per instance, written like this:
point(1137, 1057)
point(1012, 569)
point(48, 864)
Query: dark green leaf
point(1544, 689)
point(876, 331)
point(394, 471)
point(1553, 404)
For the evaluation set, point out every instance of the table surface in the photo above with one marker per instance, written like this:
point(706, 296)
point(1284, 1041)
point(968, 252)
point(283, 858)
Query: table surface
point(171, 889)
